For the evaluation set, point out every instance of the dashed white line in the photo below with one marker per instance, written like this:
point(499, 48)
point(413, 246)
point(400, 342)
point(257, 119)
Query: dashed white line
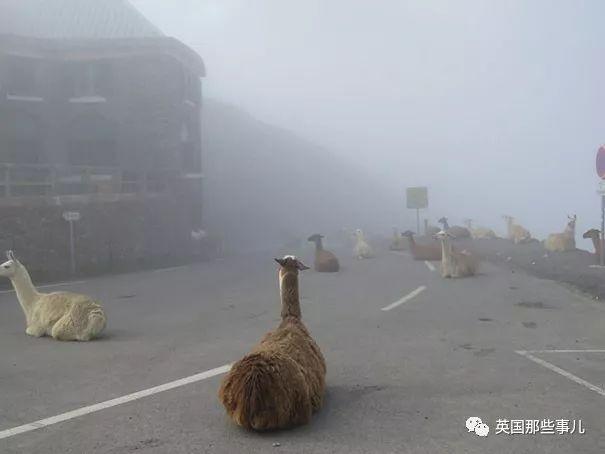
point(405, 299)
point(113, 402)
point(429, 265)
point(58, 284)
point(562, 372)
point(171, 268)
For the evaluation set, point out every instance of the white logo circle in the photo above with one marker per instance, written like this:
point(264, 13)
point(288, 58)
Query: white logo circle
point(482, 430)
point(472, 422)
point(475, 424)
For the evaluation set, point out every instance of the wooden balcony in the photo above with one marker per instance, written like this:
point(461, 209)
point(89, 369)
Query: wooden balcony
point(23, 183)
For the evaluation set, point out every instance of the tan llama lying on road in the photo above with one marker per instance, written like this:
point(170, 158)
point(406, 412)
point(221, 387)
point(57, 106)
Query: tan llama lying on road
point(62, 315)
point(325, 261)
point(280, 383)
point(455, 264)
point(566, 241)
point(515, 232)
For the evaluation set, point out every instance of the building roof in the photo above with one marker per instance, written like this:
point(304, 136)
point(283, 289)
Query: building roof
point(73, 28)
point(74, 19)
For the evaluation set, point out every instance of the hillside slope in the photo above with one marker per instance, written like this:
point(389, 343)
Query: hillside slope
point(264, 185)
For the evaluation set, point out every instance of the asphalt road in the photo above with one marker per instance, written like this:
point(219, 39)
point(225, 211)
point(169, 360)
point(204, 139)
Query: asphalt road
point(399, 381)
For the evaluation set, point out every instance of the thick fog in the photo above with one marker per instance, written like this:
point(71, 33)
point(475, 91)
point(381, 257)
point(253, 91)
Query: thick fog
point(496, 106)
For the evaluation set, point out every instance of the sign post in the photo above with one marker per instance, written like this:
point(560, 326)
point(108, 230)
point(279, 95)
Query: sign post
point(71, 217)
point(417, 198)
point(601, 172)
point(602, 253)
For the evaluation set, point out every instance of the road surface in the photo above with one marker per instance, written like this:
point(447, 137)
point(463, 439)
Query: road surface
point(410, 357)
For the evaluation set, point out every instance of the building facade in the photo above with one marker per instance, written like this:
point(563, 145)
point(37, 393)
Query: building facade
point(98, 111)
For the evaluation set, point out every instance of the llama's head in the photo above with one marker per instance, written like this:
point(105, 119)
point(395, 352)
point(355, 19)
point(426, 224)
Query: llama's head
point(291, 263)
point(315, 237)
point(443, 235)
point(408, 233)
point(358, 234)
point(9, 268)
point(592, 234)
point(572, 221)
point(508, 218)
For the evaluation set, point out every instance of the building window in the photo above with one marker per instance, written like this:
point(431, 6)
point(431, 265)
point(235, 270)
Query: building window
point(192, 87)
point(90, 80)
point(22, 76)
point(94, 152)
point(189, 158)
point(190, 154)
point(21, 151)
point(21, 138)
point(93, 141)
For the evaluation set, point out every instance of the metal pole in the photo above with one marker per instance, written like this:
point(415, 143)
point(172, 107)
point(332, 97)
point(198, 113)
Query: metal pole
point(72, 248)
point(602, 251)
point(418, 221)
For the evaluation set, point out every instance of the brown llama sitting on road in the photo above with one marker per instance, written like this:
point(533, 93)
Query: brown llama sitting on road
point(423, 251)
point(325, 261)
point(280, 383)
point(595, 236)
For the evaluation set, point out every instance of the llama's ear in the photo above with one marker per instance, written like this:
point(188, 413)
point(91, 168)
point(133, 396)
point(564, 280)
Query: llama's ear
point(10, 256)
point(301, 266)
point(281, 262)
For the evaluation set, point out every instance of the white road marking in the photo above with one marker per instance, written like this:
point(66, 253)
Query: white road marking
point(562, 372)
point(429, 265)
point(405, 299)
point(565, 351)
point(58, 284)
point(171, 268)
point(113, 402)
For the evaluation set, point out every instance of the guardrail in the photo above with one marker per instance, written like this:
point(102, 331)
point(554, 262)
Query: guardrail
point(31, 180)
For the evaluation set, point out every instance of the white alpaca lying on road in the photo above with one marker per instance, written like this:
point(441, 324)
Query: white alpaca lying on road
point(362, 249)
point(62, 315)
point(455, 264)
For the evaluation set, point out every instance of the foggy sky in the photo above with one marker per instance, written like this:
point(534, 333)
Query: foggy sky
point(496, 106)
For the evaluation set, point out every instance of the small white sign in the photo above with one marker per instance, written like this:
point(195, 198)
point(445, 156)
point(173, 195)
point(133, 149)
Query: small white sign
point(71, 216)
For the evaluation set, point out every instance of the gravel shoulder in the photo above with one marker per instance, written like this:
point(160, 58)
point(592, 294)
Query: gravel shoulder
point(572, 268)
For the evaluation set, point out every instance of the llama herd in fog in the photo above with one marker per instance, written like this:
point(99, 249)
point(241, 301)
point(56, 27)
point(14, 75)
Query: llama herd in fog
point(281, 382)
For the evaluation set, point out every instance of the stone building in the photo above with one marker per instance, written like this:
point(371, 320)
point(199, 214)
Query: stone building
point(99, 113)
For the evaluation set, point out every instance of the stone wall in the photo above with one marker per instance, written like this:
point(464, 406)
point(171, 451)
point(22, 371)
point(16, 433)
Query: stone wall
point(112, 236)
